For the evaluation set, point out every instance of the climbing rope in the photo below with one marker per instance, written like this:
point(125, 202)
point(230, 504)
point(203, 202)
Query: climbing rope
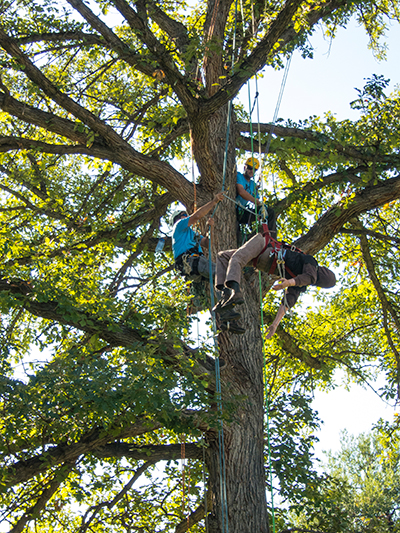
point(263, 327)
point(278, 104)
point(221, 445)
point(183, 472)
point(204, 485)
point(193, 178)
point(280, 260)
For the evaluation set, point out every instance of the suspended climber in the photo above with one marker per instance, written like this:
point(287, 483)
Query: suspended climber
point(266, 254)
point(247, 194)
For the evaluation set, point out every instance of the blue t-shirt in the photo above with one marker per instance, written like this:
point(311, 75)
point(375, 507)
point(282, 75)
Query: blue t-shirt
point(183, 237)
point(249, 186)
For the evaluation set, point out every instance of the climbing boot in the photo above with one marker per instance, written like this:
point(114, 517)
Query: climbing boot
point(235, 299)
point(228, 315)
point(232, 327)
point(226, 293)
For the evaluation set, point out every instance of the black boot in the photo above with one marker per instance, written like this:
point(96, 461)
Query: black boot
point(229, 315)
point(224, 297)
point(236, 298)
point(232, 327)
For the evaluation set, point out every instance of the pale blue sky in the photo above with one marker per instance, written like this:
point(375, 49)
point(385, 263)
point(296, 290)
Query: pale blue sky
point(327, 82)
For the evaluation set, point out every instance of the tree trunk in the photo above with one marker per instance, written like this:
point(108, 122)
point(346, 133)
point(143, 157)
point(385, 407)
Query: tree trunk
point(242, 378)
point(243, 433)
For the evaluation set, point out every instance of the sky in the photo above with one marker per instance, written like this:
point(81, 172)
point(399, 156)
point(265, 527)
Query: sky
point(313, 87)
point(328, 81)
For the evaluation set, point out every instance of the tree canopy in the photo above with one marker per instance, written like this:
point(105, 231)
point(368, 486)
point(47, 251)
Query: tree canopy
point(103, 388)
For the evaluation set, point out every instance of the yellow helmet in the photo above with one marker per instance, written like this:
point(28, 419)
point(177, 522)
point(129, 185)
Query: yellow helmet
point(252, 162)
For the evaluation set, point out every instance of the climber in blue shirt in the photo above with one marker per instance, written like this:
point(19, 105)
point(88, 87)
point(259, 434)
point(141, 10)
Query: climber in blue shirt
point(187, 245)
point(247, 195)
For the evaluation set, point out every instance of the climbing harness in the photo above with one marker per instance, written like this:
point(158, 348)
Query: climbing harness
point(189, 269)
point(187, 263)
point(279, 250)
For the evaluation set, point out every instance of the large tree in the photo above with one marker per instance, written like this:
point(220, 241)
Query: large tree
point(100, 102)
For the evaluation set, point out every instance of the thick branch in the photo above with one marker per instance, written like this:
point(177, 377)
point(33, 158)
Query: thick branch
point(214, 30)
point(290, 347)
point(154, 453)
point(159, 172)
point(87, 39)
point(97, 438)
point(350, 152)
point(334, 219)
point(175, 29)
point(256, 60)
point(43, 119)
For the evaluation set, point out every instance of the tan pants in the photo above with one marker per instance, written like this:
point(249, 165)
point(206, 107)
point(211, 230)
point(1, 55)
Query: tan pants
point(230, 262)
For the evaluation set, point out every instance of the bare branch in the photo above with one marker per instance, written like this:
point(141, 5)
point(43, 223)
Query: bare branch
point(144, 217)
point(196, 516)
point(35, 74)
point(375, 234)
point(59, 477)
point(386, 305)
point(86, 523)
point(347, 176)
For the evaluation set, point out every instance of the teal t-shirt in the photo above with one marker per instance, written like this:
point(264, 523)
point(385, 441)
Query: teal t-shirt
point(184, 238)
point(249, 186)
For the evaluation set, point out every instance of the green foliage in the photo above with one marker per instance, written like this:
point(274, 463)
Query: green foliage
point(360, 494)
